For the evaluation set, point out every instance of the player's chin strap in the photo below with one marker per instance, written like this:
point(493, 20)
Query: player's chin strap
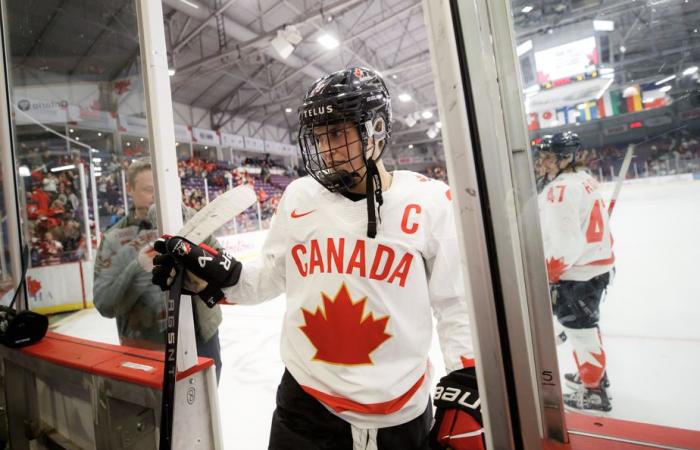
point(374, 191)
point(377, 131)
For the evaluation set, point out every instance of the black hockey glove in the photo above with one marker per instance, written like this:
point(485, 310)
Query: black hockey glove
point(207, 271)
point(458, 424)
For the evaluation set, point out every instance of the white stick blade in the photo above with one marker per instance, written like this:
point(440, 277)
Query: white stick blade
point(213, 216)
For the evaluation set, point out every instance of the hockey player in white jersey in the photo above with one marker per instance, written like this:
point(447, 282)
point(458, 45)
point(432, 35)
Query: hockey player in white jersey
point(364, 255)
point(578, 251)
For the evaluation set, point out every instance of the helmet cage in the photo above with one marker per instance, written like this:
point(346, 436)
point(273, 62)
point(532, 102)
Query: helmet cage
point(325, 140)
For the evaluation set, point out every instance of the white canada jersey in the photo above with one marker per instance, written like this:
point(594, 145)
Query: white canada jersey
point(358, 326)
point(575, 228)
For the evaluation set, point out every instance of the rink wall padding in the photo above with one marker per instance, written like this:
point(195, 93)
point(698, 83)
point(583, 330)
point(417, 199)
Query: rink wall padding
point(132, 365)
point(60, 288)
point(244, 246)
point(655, 435)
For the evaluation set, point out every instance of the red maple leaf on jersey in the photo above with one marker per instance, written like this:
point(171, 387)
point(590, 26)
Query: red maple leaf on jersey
point(34, 286)
point(555, 267)
point(339, 332)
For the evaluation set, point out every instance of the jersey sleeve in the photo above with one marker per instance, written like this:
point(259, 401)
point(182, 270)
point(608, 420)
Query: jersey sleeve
point(563, 240)
point(264, 278)
point(448, 298)
point(113, 278)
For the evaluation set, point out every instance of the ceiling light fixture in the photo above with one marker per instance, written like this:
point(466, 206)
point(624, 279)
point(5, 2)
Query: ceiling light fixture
point(665, 80)
point(603, 25)
point(190, 4)
point(62, 168)
point(286, 40)
point(427, 114)
point(328, 41)
point(404, 97)
point(690, 71)
point(527, 9)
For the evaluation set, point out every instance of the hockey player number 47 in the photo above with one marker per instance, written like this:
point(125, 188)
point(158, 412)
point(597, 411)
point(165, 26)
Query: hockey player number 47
point(552, 197)
point(594, 232)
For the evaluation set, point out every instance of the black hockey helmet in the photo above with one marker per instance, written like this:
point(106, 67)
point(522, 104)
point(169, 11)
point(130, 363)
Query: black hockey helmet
point(352, 98)
point(344, 126)
point(562, 146)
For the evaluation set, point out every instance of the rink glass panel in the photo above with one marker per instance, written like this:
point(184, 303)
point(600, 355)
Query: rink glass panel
point(596, 73)
point(7, 287)
point(77, 99)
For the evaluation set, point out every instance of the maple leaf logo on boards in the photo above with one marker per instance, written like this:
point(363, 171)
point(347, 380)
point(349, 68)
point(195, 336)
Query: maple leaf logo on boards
point(339, 332)
point(33, 286)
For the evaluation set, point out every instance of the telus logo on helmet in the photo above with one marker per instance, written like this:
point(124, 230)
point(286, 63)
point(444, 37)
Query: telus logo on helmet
point(319, 111)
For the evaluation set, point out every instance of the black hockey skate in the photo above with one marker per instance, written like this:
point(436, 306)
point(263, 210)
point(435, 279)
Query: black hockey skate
point(573, 380)
point(586, 400)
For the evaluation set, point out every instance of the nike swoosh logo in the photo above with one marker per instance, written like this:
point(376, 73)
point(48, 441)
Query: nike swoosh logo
point(296, 215)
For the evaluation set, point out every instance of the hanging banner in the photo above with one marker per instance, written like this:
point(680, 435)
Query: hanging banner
point(567, 60)
point(232, 140)
point(31, 111)
point(205, 137)
point(254, 145)
point(275, 148)
point(182, 134)
point(291, 149)
point(92, 119)
point(132, 125)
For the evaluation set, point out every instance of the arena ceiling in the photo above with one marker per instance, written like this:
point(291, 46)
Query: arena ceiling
point(223, 59)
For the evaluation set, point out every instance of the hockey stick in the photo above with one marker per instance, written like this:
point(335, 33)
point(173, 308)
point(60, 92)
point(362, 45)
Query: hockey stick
point(219, 211)
point(209, 219)
point(167, 408)
point(621, 177)
point(628, 158)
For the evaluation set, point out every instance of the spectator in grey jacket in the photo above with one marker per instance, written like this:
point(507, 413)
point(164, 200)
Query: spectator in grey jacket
point(122, 279)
